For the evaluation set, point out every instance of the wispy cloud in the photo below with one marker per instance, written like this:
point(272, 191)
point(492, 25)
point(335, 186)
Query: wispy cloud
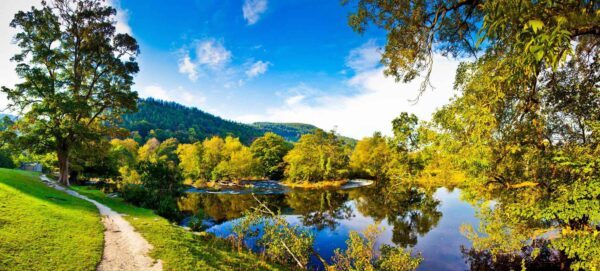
point(186, 66)
point(253, 9)
point(294, 100)
point(257, 68)
point(210, 54)
point(122, 18)
point(377, 101)
point(364, 57)
point(179, 95)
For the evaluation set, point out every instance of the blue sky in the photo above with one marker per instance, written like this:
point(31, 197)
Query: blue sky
point(263, 60)
point(297, 43)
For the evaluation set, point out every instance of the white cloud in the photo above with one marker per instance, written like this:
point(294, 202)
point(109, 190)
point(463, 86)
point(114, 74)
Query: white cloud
point(212, 53)
point(122, 18)
point(257, 68)
point(178, 95)
point(364, 57)
point(294, 100)
point(253, 9)
point(379, 100)
point(186, 66)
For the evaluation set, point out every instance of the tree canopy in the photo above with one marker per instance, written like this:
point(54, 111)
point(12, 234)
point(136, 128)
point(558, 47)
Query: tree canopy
point(317, 157)
point(76, 75)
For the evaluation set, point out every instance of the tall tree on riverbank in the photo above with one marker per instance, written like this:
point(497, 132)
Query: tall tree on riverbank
point(76, 75)
point(270, 150)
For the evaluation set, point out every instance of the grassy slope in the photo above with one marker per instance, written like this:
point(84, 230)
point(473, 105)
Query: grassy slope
point(45, 229)
point(176, 247)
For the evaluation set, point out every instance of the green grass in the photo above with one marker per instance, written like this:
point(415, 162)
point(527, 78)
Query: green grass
point(177, 248)
point(45, 229)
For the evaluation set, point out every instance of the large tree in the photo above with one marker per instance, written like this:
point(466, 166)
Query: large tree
point(76, 75)
point(316, 157)
point(270, 149)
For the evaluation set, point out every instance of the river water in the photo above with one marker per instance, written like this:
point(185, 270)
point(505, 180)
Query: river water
point(428, 222)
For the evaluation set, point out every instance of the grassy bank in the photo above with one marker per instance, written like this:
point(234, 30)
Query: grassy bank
point(45, 229)
point(176, 247)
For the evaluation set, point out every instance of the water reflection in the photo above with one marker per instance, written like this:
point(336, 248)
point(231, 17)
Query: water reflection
point(411, 217)
point(410, 211)
point(320, 209)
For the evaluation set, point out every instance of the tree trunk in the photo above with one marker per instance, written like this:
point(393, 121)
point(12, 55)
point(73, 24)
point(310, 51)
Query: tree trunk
point(63, 166)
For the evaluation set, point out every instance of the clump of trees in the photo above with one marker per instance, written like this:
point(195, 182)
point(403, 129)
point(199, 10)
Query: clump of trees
point(317, 157)
point(402, 156)
point(270, 150)
point(321, 156)
point(7, 137)
point(148, 176)
point(217, 159)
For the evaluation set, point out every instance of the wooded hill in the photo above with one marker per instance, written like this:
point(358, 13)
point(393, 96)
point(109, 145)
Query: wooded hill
point(162, 119)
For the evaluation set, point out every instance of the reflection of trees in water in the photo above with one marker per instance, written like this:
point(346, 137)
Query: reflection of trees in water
point(223, 207)
point(485, 260)
point(409, 210)
point(550, 215)
point(320, 208)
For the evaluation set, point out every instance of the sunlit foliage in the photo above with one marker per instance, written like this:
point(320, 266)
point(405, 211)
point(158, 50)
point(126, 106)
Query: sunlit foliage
point(317, 157)
point(361, 254)
point(270, 150)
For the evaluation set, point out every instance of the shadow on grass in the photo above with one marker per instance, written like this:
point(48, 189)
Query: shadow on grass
point(28, 183)
point(45, 229)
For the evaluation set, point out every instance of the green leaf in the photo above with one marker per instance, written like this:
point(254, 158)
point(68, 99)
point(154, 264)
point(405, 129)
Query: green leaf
point(535, 25)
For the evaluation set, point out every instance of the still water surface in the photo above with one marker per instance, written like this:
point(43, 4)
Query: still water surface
point(427, 222)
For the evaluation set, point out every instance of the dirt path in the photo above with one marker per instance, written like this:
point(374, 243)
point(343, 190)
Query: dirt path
point(124, 248)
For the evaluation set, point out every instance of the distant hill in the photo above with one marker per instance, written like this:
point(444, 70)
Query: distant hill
point(293, 131)
point(289, 131)
point(161, 119)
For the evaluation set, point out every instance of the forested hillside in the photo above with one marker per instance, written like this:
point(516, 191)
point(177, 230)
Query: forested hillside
point(161, 119)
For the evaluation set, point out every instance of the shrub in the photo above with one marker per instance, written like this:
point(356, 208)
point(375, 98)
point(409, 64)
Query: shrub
point(5, 160)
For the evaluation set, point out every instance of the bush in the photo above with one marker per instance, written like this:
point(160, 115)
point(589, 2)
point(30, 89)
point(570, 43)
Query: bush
point(161, 185)
point(5, 160)
point(134, 194)
point(167, 208)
